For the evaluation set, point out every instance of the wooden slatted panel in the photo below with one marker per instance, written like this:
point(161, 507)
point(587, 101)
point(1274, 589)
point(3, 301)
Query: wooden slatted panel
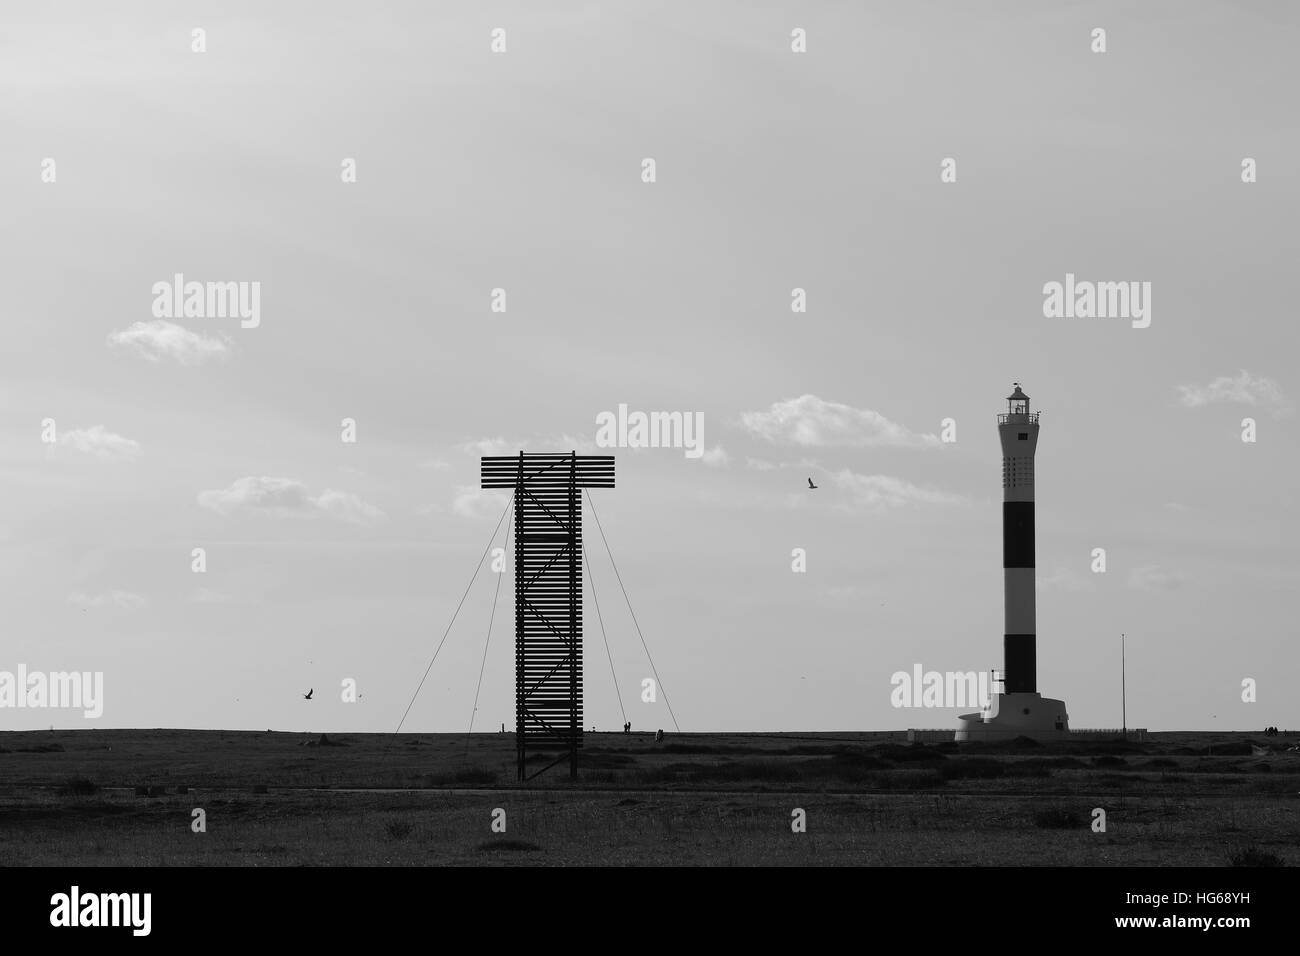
point(548, 471)
point(548, 590)
point(549, 634)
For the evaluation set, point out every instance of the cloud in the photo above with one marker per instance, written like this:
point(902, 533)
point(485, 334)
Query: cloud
point(158, 340)
point(492, 447)
point(472, 502)
point(100, 442)
point(716, 457)
point(813, 423)
point(499, 447)
point(281, 497)
point(286, 498)
point(435, 464)
point(803, 464)
point(1154, 578)
point(347, 507)
point(579, 443)
point(880, 492)
point(126, 600)
point(1245, 389)
point(209, 596)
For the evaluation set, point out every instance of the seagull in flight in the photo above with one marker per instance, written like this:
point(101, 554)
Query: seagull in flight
point(810, 484)
point(307, 696)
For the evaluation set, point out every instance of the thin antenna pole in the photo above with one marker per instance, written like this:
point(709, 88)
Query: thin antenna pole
point(1123, 688)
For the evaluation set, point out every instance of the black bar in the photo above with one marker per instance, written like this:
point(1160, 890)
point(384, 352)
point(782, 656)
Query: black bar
point(228, 906)
point(1019, 663)
point(1017, 534)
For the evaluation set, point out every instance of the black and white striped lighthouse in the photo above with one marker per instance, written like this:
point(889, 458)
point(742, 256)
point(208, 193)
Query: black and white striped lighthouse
point(1019, 711)
point(1018, 429)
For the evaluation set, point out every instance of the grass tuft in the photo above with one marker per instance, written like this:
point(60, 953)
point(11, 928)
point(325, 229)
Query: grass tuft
point(78, 787)
point(1059, 818)
point(1255, 857)
point(492, 846)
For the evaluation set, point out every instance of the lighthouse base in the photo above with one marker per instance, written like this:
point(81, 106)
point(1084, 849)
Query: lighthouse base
point(1016, 715)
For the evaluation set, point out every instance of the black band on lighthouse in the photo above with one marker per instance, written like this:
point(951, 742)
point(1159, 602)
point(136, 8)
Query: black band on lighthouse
point(1019, 663)
point(1017, 534)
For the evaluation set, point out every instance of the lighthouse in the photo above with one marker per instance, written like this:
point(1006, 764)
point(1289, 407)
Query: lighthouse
point(1019, 710)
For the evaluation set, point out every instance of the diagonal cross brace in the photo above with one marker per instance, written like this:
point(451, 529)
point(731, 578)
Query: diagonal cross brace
point(548, 592)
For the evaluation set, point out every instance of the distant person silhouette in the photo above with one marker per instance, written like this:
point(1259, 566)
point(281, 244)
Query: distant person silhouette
point(659, 735)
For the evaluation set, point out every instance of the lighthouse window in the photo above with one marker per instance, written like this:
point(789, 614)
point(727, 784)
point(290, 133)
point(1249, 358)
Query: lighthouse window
point(1023, 436)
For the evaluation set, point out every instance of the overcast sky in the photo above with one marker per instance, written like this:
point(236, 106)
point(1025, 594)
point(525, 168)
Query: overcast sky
point(522, 170)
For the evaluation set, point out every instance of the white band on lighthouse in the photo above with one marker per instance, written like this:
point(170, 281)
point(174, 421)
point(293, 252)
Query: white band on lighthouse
point(1018, 588)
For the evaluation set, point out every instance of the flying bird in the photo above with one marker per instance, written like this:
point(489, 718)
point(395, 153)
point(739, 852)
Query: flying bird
point(810, 484)
point(307, 696)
